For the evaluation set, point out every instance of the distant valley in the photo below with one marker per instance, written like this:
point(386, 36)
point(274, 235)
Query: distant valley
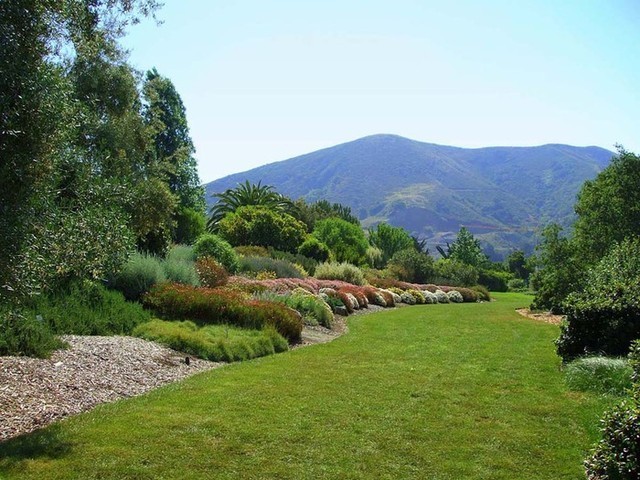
point(504, 195)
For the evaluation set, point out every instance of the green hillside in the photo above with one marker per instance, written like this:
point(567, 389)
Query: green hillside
point(502, 194)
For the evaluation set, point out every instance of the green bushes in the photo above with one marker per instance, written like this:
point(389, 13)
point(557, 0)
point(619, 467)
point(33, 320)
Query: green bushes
point(139, 274)
point(314, 310)
point(340, 271)
point(455, 273)
point(21, 333)
point(213, 342)
point(216, 306)
point(494, 280)
point(314, 248)
point(412, 266)
point(599, 374)
point(86, 308)
point(345, 240)
point(617, 455)
point(210, 245)
point(605, 317)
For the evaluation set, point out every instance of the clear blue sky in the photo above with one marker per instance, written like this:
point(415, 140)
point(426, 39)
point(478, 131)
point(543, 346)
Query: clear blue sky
point(263, 81)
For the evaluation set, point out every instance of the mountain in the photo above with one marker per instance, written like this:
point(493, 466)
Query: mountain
point(504, 195)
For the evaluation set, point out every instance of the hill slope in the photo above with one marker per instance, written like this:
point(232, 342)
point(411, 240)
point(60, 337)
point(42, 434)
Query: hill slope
point(502, 194)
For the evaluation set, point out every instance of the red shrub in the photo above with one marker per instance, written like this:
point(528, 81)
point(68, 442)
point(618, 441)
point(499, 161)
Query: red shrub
point(211, 272)
point(356, 292)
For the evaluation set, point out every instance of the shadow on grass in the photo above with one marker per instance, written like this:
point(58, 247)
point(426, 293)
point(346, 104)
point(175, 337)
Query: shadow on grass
point(46, 443)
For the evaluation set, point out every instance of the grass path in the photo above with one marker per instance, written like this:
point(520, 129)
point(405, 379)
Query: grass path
point(470, 391)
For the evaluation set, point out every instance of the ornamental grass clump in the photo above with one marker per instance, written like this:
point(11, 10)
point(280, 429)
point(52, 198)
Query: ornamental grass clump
point(282, 268)
point(222, 305)
point(218, 343)
point(139, 274)
point(344, 271)
point(599, 374)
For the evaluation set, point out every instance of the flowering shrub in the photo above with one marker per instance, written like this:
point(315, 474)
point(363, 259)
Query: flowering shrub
point(429, 297)
point(374, 296)
point(441, 296)
point(222, 305)
point(408, 298)
point(417, 294)
point(359, 295)
point(455, 296)
point(391, 298)
point(211, 272)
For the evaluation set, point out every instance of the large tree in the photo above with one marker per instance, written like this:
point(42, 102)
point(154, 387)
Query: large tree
point(608, 207)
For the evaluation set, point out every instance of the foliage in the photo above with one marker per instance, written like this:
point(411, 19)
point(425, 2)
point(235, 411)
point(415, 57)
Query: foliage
point(252, 251)
point(217, 305)
point(211, 273)
point(345, 240)
point(298, 260)
point(483, 293)
point(322, 209)
point(605, 316)
point(181, 253)
point(390, 240)
point(22, 333)
point(494, 280)
point(455, 296)
point(314, 248)
point(344, 271)
point(412, 266)
point(262, 226)
point(599, 374)
point(213, 342)
point(560, 270)
point(89, 308)
point(247, 195)
point(466, 249)
point(518, 265)
point(140, 273)
point(210, 245)
point(190, 224)
point(454, 272)
point(173, 148)
point(178, 270)
point(314, 310)
point(282, 268)
point(608, 207)
point(516, 285)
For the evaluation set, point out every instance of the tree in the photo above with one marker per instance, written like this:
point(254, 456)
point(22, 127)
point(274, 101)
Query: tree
point(518, 265)
point(411, 265)
point(390, 240)
point(560, 270)
point(608, 207)
point(244, 195)
point(466, 249)
point(346, 240)
point(166, 117)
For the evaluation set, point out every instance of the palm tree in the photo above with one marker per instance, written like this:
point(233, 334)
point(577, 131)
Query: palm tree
point(246, 194)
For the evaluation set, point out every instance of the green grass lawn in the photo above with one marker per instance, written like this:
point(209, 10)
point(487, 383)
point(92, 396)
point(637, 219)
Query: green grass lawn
point(460, 391)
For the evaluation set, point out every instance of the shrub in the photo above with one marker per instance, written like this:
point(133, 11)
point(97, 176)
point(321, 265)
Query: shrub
point(417, 294)
point(483, 293)
point(257, 225)
point(391, 298)
point(441, 296)
point(340, 271)
point(211, 273)
point(180, 271)
point(494, 280)
point(313, 308)
point(456, 273)
point(282, 268)
point(516, 285)
point(599, 375)
point(314, 248)
point(87, 308)
point(605, 317)
point(455, 296)
point(376, 297)
point(216, 343)
point(210, 245)
point(190, 224)
point(408, 298)
point(252, 251)
point(22, 333)
point(468, 295)
point(412, 266)
point(308, 264)
point(358, 294)
point(139, 274)
point(217, 305)
point(181, 253)
point(617, 455)
point(345, 240)
point(429, 297)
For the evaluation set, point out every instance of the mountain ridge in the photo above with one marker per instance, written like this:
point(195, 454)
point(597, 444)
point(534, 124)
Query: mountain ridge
point(502, 194)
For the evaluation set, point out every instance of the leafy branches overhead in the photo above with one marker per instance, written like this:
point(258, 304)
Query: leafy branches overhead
point(244, 195)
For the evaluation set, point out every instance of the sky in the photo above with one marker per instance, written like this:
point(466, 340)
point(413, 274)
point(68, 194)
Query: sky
point(264, 81)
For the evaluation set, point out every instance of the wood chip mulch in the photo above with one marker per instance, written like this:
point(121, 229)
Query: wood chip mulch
point(36, 392)
point(541, 316)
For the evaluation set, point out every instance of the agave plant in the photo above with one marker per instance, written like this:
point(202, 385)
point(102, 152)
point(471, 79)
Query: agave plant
point(246, 194)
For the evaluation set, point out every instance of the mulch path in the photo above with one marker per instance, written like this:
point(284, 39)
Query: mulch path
point(541, 316)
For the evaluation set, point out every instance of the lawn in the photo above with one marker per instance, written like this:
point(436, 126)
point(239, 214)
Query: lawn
point(460, 391)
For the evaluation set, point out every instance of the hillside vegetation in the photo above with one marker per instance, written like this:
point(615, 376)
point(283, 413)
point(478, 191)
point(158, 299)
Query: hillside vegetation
point(504, 195)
